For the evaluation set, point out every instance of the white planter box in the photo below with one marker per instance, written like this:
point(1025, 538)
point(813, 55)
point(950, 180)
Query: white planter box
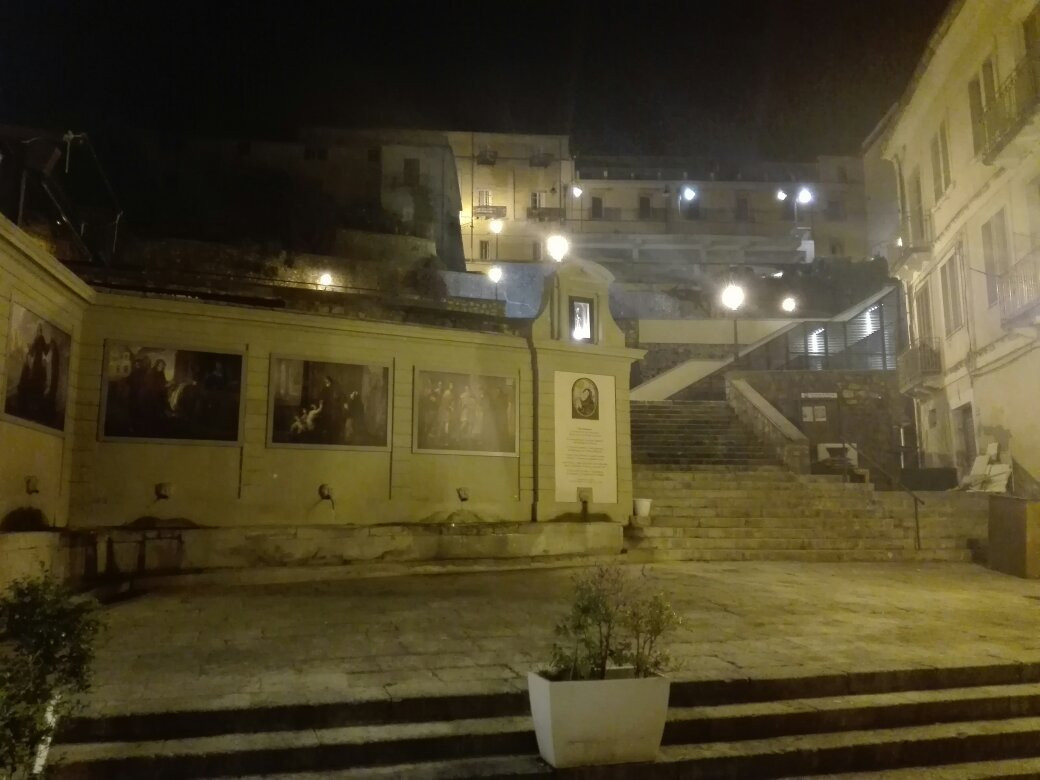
point(612, 721)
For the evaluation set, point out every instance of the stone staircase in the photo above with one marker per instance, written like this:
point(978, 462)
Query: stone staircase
point(963, 722)
point(677, 433)
point(718, 497)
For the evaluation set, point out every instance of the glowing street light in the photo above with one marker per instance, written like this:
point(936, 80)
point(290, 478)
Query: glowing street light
point(781, 195)
point(495, 274)
point(688, 193)
point(804, 196)
point(789, 304)
point(558, 247)
point(576, 191)
point(733, 297)
point(325, 279)
point(496, 226)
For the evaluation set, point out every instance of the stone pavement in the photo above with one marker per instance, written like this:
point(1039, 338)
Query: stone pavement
point(241, 645)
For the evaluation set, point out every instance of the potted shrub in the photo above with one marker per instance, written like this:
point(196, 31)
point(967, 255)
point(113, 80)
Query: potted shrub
point(604, 700)
point(46, 649)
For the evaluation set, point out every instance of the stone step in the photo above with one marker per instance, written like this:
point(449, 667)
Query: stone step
point(715, 728)
point(738, 554)
point(975, 770)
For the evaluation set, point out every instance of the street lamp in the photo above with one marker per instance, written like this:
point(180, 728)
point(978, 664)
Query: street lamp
point(495, 275)
point(803, 198)
point(496, 226)
point(325, 279)
point(688, 193)
point(733, 298)
point(576, 191)
point(558, 247)
point(789, 304)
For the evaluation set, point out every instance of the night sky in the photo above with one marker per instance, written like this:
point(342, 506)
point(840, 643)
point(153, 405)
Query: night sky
point(769, 78)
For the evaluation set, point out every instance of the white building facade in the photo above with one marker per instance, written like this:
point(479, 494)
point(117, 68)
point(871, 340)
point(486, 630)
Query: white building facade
point(966, 147)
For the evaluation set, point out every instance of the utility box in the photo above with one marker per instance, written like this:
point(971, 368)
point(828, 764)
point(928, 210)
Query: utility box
point(1014, 536)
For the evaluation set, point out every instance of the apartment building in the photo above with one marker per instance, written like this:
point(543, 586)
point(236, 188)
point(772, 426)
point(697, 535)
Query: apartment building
point(653, 218)
point(966, 146)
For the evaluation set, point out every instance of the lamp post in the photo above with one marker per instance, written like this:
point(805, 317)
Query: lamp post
point(576, 193)
point(496, 226)
point(789, 304)
point(733, 298)
point(803, 197)
point(495, 275)
point(558, 246)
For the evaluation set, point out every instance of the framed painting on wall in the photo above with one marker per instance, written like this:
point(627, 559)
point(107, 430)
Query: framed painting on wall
point(171, 394)
point(464, 413)
point(37, 370)
point(321, 404)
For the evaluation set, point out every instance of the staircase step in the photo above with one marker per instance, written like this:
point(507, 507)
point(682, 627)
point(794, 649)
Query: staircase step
point(492, 766)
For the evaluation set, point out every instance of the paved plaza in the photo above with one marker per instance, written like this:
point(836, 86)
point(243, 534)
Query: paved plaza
point(344, 639)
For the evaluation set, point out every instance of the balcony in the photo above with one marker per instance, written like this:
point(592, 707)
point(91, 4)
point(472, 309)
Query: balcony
point(489, 212)
point(920, 368)
point(545, 213)
point(487, 157)
point(917, 239)
point(1019, 292)
point(1012, 110)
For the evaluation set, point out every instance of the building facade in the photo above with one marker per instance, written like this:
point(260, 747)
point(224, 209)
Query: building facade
point(653, 219)
point(964, 144)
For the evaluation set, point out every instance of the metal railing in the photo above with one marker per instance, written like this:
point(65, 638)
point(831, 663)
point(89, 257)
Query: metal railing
point(1019, 289)
point(1014, 104)
point(544, 213)
point(917, 232)
point(489, 212)
point(896, 481)
point(921, 359)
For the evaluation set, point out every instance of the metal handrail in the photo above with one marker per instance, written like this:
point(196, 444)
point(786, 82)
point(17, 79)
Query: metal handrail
point(895, 481)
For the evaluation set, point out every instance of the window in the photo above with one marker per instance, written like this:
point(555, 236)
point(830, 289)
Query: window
point(536, 251)
point(412, 171)
point(375, 154)
point(742, 212)
point(691, 209)
point(537, 199)
point(836, 209)
point(940, 161)
point(1031, 31)
point(787, 209)
point(485, 250)
point(923, 310)
point(596, 209)
point(916, 219)
point(837, 248)
point(483, 197)
point(994, 254)
point(581, 319)
point(843, 174)
point(953, 307)
point(982, 94)
point(645, 211)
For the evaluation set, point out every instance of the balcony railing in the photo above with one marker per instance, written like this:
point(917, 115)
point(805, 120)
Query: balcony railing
point(545, 213)
point(917, 235)
point(918, 363)
point(1016, 102)
point(612, 214)
point(489, 212)
point(1019, 290)
point(487, 157)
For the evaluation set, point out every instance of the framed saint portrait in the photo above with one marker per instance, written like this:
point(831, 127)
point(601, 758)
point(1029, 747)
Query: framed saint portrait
point(37, 371)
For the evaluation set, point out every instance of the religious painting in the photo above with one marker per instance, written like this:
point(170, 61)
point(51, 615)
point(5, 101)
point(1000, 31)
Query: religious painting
point(584, 400)
point(37, 370)
point(319, 404)
point(152, 392)
point(470, 413)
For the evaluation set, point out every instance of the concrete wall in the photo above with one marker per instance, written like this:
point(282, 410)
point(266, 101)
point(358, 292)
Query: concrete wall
point(867, 411)
point(36, 281)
